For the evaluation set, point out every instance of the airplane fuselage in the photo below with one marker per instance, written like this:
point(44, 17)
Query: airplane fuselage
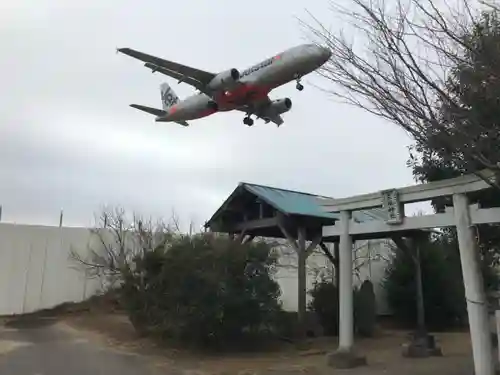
point(254, 83)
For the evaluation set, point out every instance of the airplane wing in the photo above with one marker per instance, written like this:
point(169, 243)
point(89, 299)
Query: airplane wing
point(182, 78)
point(259, 110)
point(180, 71)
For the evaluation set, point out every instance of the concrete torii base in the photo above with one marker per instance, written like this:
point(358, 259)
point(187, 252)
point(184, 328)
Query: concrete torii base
point(421, 345)
point(345, 359)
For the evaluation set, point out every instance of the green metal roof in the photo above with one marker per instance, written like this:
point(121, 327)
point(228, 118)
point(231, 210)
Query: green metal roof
point(298, 203)
point(290, 202)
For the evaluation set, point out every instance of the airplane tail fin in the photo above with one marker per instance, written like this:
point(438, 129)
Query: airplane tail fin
point(168, 96)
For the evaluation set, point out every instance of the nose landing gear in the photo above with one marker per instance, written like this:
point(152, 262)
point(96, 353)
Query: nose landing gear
point(299, 85)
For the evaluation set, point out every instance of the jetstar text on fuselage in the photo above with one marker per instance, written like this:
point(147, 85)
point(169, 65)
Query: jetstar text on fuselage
point(257, 67)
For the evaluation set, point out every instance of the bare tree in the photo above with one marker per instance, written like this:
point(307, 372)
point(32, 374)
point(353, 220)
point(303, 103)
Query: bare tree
point(401, 68)
point(117, 241)
point(363, 254)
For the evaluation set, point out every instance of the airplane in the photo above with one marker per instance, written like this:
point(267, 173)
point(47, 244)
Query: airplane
point(246, 91)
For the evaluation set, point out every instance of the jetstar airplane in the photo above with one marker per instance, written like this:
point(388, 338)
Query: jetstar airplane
point(246, 91)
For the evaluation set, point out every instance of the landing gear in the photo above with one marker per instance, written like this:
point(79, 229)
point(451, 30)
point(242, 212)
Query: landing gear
point(248, 121)
point(298, 86)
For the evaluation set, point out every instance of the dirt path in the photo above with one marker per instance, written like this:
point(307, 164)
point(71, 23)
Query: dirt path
point(47, 347)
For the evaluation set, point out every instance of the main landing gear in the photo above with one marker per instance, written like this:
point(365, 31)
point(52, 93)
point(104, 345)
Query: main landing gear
point(248, 121)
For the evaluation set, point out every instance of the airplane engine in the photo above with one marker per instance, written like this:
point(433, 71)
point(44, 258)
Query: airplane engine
point(281, 105)
point(225, 80)
point(213, 105)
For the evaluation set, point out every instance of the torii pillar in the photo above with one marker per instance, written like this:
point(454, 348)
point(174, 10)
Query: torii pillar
point(345, 356)
point(477, 306)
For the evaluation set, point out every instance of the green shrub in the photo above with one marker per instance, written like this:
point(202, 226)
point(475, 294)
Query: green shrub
point(365, 309)
point(286, 325)
point(442, 285)
point(204, 290)
point(325, 303)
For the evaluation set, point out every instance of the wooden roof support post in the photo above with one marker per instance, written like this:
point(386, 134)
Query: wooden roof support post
point(336, 252)
point(240, 237)
point(475, 296)
point(287, 235)
point(248, 238)
point(314, 243)
point(302, 253)
point(302, 281)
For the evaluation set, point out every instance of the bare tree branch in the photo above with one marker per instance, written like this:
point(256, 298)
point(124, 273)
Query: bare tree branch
point(401, 68)
point(116, 242)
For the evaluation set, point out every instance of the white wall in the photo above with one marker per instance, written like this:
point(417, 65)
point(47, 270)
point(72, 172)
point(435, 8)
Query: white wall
point(287, 278)
point(370, 264)
point(36, 271)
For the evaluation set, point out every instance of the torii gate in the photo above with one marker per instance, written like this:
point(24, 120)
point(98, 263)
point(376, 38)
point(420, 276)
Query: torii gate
point(462, 215)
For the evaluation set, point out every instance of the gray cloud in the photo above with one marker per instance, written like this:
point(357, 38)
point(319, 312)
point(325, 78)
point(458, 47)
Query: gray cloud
point(69, 140)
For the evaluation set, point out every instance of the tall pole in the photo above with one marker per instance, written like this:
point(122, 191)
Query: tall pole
point(475, 295)
point(420, 292)
point(346, 319)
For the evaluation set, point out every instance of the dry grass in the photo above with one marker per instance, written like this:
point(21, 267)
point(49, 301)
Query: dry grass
point(99, 320)
point(383, 352)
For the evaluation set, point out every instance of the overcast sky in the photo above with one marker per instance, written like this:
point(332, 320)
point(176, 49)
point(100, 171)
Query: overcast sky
point(68, 138)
